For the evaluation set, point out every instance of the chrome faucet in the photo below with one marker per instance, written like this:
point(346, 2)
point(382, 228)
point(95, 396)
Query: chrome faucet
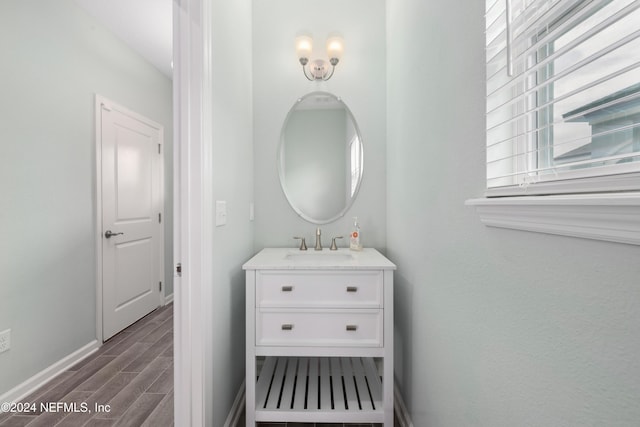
point(303, 244)
point(334, 247)
point(318, 240)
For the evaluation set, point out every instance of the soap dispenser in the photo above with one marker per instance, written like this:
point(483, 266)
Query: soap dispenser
point(355, 244)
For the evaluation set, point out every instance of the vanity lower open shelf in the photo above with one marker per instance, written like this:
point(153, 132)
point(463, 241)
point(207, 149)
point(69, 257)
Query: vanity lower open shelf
point(301, 389)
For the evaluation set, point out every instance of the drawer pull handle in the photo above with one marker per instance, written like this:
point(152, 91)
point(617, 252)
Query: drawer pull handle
point(287, 326)
point(352, 328)
point(287, 288)
point(352, 289)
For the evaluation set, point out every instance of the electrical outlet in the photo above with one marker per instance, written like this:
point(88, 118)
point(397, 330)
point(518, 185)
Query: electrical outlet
point(5, 340)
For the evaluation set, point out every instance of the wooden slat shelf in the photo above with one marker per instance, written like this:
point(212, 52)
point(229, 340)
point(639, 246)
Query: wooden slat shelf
point(300, 389)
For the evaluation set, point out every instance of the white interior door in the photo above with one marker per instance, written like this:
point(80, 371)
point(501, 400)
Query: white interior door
point(132, 237)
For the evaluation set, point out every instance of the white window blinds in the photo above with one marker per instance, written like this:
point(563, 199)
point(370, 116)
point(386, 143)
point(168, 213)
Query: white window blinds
point(563, 91)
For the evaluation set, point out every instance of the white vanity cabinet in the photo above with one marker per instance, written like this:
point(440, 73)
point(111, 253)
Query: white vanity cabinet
point(319, 337)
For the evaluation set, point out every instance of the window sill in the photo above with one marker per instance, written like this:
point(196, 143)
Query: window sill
point(613, 217)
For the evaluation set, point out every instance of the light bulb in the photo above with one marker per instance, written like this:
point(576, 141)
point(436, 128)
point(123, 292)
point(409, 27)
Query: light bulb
point(304, 46)
point(335, 47)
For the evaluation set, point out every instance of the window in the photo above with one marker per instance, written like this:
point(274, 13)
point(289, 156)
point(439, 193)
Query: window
point(563, 118)
point(563, 96)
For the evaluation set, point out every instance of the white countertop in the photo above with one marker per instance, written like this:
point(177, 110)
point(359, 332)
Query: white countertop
point(294, 259)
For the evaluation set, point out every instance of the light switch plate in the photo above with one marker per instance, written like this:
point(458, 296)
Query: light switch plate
point(251, 212)
point(221, 212)
point(5, 340)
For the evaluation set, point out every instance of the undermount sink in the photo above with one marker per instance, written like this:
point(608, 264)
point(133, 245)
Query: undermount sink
point(320, 256)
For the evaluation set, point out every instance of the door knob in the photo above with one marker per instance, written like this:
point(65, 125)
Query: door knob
point(108, 234)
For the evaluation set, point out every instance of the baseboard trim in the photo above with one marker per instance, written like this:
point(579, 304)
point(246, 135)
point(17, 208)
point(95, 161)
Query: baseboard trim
point(168, 299)
point(399, 408)
point(41, 378)
point(237, 408)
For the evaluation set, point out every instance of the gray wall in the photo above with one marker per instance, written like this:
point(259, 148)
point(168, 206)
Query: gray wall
point(278, 82)
point(232, 182)
point(54, 59)
point(494, 327)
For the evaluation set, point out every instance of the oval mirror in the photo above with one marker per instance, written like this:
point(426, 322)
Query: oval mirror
point(320, 158)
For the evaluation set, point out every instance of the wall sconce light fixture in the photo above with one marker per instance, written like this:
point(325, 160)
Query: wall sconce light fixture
point(318, 69)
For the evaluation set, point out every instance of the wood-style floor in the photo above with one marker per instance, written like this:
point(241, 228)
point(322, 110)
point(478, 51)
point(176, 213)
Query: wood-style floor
point(132, 373)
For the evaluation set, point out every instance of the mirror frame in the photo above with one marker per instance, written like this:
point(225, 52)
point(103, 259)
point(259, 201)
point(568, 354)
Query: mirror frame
point(348, 205)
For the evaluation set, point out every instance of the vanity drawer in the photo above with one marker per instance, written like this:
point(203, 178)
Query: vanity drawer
point(319, 289)
point(317, 327)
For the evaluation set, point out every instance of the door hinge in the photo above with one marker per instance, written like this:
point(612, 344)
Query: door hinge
point(159, 145)
point(160, 286)
point(159, 218)
point(179, 269)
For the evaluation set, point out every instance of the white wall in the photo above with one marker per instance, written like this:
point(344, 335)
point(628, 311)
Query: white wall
point(233, 183)
point(278, 82)
point(494, 327)
point(54, 59)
